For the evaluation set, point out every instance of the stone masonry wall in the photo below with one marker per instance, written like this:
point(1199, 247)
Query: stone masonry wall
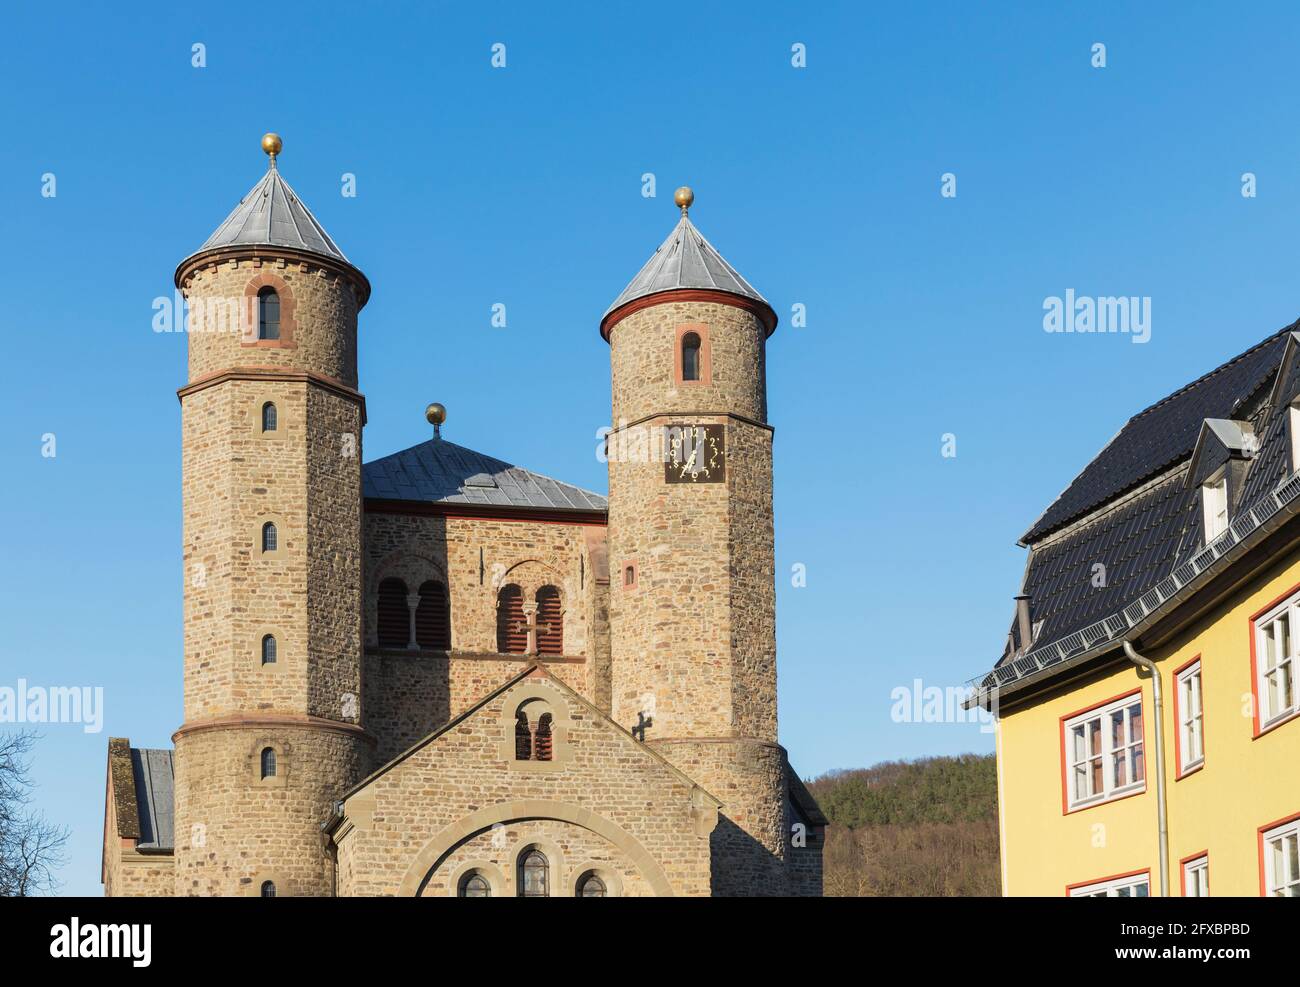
point(643, 362)
point(313, 303)
point(427, 815)
point(235, 829)
point(693, 647)
point(749, 844)
point(409, 694)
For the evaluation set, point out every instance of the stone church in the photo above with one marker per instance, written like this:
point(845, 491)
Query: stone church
point(438, 673)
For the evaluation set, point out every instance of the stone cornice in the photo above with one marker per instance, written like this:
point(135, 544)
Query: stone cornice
point(261, 721)
point(761, 310)
point(219, 255)
point(275, 373)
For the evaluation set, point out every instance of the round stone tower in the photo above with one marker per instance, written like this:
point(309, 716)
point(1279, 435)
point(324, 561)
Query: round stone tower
point(692, 587)
point(271, 435)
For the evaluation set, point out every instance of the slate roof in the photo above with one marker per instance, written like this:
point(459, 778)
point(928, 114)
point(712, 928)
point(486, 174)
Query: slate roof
point(271, 214)
point(685, 260)
point(1163, 434)
point(152, 771)
point(439, 471)
point(1154, 525)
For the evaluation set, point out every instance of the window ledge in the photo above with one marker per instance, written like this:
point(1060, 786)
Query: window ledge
point(1274, 724)
point(1191, 769)
point(1117, 796)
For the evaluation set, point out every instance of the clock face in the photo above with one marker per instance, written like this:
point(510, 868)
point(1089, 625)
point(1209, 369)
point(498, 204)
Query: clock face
point(695, 454)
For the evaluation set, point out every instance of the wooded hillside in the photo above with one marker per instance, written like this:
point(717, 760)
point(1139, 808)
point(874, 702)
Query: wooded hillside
point(912, 828)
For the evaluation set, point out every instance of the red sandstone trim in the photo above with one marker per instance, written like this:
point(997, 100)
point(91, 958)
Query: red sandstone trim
point(258, 721)
point(536, 515)
point(288, 326)
point(761, 310)
point(260, 373)
point(700, 329)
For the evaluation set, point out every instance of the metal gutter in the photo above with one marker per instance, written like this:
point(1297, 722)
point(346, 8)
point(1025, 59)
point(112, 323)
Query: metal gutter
point(1162, 805)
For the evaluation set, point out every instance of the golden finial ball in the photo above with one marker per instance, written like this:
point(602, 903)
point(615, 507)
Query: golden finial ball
point(272, 144)
point(435, 413)
point(684, 197)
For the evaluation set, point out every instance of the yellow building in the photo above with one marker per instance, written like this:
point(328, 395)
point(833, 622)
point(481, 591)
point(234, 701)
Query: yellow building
point(1155, 640)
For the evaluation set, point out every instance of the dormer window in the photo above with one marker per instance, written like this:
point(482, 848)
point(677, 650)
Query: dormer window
point(1294, 424)
point(1214, 497)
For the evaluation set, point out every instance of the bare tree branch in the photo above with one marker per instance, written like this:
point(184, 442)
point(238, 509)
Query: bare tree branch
point(31, 847)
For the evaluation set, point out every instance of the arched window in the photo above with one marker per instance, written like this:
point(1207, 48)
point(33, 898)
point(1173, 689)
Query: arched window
point(542, 742)
point(629, 575)
point(268, 762)
point(394, 615)
point(268, 650)
point(268, 314)
point(523, 737)
point(268, 889)
point(591, 886)
point(269, 418)
point(550, 622)
point(432, 617)
point(532, 874)
point(511, 636)
point(474, 885)
point(691, 356)
point(270, 537)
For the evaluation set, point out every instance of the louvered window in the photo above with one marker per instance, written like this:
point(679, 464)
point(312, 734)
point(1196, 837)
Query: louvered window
point(432, 617)
point(511, 636)
point(523, 737)
point(550, 622)
point(268, 314)
point(532, 875)
point(394, 615)
point(542, 741)
point(268, 762)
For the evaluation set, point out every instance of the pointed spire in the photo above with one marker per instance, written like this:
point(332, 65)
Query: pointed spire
point(272, 215)
point(685, 261)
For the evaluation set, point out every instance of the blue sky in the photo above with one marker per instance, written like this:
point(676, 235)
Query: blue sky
point(523, 186)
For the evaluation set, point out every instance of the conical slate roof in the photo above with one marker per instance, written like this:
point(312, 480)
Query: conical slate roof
point(271, 214)
point(686, 260)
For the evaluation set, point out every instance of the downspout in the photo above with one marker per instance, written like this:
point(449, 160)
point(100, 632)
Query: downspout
point(1162, 808)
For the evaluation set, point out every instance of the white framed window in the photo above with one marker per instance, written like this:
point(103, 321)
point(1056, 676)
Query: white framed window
point(1191, 719)
point(1281, 848)
point(1196, 877)
point(1294, 423)
point(1104, 753)
point(1214, 496)
point(1275, 662)
point(1136, 886)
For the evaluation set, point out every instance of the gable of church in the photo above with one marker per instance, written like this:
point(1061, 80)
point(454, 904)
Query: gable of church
point(532, 767)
